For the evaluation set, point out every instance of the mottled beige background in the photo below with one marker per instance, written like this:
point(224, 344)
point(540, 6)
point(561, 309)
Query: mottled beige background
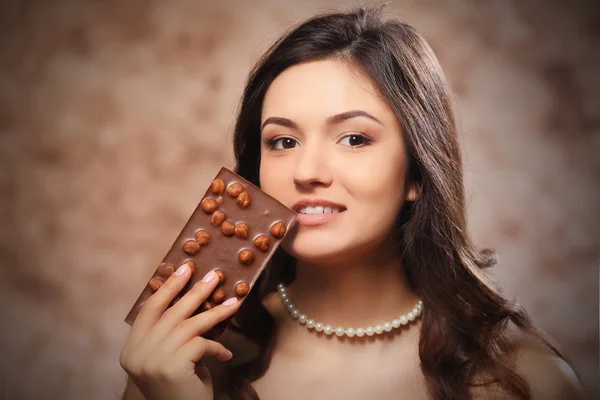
point(114, 116)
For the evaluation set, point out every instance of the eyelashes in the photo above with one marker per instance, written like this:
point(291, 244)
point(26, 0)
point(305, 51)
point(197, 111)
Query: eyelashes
point(286, 143)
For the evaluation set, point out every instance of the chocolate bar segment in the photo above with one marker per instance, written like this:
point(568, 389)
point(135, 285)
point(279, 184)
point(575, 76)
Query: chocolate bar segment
point(235, 234)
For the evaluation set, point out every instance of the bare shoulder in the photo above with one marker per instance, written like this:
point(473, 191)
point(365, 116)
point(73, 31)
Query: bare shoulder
point(549, 376)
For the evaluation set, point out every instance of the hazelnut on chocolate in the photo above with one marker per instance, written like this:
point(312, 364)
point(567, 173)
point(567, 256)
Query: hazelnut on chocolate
point(165, 270)
point(217, 218)
point(218, 296)
point(243, 200)
point(155, 284)
point(235, 190)
point(278, 230)
point(246, 257)
point(209, 206)
point(242, 289)
point(262, 243)
point(227, 228)
point(191, 247)
point(191, 265)
point(241, 231)
point(207, 305)
point(217, 186)
point(221, 275)
point(202, 237)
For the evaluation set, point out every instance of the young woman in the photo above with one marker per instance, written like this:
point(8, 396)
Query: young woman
point(378, 291)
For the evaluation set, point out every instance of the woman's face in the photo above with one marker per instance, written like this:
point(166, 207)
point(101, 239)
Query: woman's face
point(333, 151)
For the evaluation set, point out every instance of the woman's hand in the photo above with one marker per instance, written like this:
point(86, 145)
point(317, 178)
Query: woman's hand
point(163, 347)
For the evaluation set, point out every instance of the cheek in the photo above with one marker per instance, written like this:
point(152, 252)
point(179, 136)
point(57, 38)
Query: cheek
point(274, 179)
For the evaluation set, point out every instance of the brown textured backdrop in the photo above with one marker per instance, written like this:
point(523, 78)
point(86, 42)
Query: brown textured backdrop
point(114, 116)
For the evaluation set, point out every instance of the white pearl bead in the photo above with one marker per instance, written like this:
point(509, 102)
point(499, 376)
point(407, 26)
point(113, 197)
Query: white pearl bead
point(396, 323)
point(411, 316)
point(283, 295)
point(360, 332)
point(290, 307)
point(339, 331)
point(378, 329)
point(419, 311)
point(286, 301)
point(350, 332)
point(310, 323)
point(302, 318)
point(319, 327)
point(280, 286)
point(370, 331)
point(403, 320)
point(295, 314)
point(387, 326)
point(328, 329)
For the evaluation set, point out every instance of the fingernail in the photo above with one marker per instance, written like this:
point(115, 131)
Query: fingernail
point(209, 277)
point(230, 302)
point(230, 353)
point(182, 270)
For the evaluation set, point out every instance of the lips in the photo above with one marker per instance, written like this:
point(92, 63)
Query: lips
point(314, 212)
point(303, 204)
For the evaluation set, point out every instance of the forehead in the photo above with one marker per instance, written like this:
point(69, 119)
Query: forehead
point(319, 89)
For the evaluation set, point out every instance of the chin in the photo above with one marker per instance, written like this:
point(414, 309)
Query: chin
point(317, 252)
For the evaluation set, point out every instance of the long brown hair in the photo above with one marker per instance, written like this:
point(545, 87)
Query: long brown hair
point(464, 328)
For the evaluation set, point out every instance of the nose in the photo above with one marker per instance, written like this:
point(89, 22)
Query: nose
point(312, 168)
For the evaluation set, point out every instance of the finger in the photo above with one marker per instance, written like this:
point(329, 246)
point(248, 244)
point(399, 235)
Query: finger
point(198, 347)
point(190, 302)
point(202, 322)
point(156, 305)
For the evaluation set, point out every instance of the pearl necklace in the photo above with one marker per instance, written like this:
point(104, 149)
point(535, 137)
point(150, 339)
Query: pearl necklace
point(350, 332)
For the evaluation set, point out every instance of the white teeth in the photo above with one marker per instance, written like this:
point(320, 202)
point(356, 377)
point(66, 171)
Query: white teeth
point(319, 210)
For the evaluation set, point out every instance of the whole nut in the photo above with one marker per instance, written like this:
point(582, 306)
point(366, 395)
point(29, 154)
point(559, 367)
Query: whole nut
point(191, 247)
point(235, 190)
point(242, 289)
point(207, 305)
point(202, 237)
point(221, 275)
point(243, 200)
point(241, 231)
point(209, 206)
point(217, 218)
point(246, 257)
point(218, 296)
point(191, 265)
point(217, 186)
point(262, 242)
point(165, 270)
point(278, 230)
point(227, 228)
point(155, 284)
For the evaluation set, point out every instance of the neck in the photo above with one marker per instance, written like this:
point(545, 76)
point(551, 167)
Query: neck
point(362, 293)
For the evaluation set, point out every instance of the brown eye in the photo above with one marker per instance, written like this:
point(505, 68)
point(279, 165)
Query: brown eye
point(355, 141)
point(283, 143)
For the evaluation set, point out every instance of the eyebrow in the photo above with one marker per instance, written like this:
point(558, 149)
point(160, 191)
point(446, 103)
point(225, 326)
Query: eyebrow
point(332, 120)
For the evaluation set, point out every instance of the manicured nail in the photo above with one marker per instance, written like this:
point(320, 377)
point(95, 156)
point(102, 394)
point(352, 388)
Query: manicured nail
point(182, 270)
point(230, 302)
point(210, 276)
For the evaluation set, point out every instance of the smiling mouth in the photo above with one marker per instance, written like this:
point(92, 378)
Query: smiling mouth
point(309, 210)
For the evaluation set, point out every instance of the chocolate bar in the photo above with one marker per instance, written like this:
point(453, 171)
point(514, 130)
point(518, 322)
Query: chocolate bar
point(234, 231)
